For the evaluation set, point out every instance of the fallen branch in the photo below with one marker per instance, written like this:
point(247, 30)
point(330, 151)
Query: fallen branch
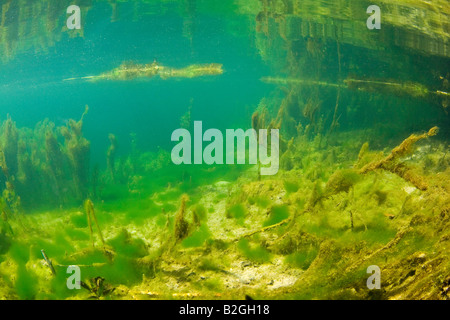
point(390, 162)
point(263, 229)
point(399, 236)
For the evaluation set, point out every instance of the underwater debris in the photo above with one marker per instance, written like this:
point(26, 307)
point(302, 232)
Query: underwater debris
point(264, 229)
point(89, 208)
point(389, 163)
point(131, 71)
point(415, 90)
point(48, 262)
point(97, 287)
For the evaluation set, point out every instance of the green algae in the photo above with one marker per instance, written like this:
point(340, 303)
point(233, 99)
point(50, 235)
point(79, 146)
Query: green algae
point(277, 214)
point(260, 201)
point(238, 212)
point(291, 186)
point(256, 254)
point(79, 220)
point(197, 238)
point(25, 284)
point(127, 246)
point(19, 252)
point(302, 259)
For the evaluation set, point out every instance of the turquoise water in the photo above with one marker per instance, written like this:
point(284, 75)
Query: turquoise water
point(32, 86)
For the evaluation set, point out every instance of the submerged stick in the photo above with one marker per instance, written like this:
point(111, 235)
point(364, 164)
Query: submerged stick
point(277, 80)
point(130, 71)
point(416, 90)
point(279, 224)
point(49, 262)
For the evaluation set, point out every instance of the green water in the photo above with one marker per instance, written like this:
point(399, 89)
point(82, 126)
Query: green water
point(88, 176)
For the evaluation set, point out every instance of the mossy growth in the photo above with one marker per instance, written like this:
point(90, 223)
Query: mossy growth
point(199, 215)
point(341, 181)
point(303, 258)
point(127, 246)
point(111, 156)
point(122, 271)
point(210, 264)
point(210, 284)
point(254, 253)
point(77, 149)
point(238, 212)
point(277, 214)
point(181, 227)
point(260, 201)
point(78, 220)
point(197, 238)
point(5, 242)
point(316, 196)
point(25, 283)
point(77, 234)
point(291, 186)
point(19, 252)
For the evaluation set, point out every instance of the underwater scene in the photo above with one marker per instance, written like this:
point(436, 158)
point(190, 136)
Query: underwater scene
point(224, 149)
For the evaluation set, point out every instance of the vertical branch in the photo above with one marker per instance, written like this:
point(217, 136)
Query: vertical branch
point(89, 208)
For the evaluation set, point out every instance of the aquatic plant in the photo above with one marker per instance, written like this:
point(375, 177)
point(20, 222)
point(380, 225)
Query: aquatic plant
point(78, 150)
point(278, 213)
point(186, 119)
point(181, 226)
point(256, 254)
point(199, 215)
point(5, 227)
point(237, 211)
point(10, 146)
point(111, 156)
point(341, 181)
point(55, 160)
